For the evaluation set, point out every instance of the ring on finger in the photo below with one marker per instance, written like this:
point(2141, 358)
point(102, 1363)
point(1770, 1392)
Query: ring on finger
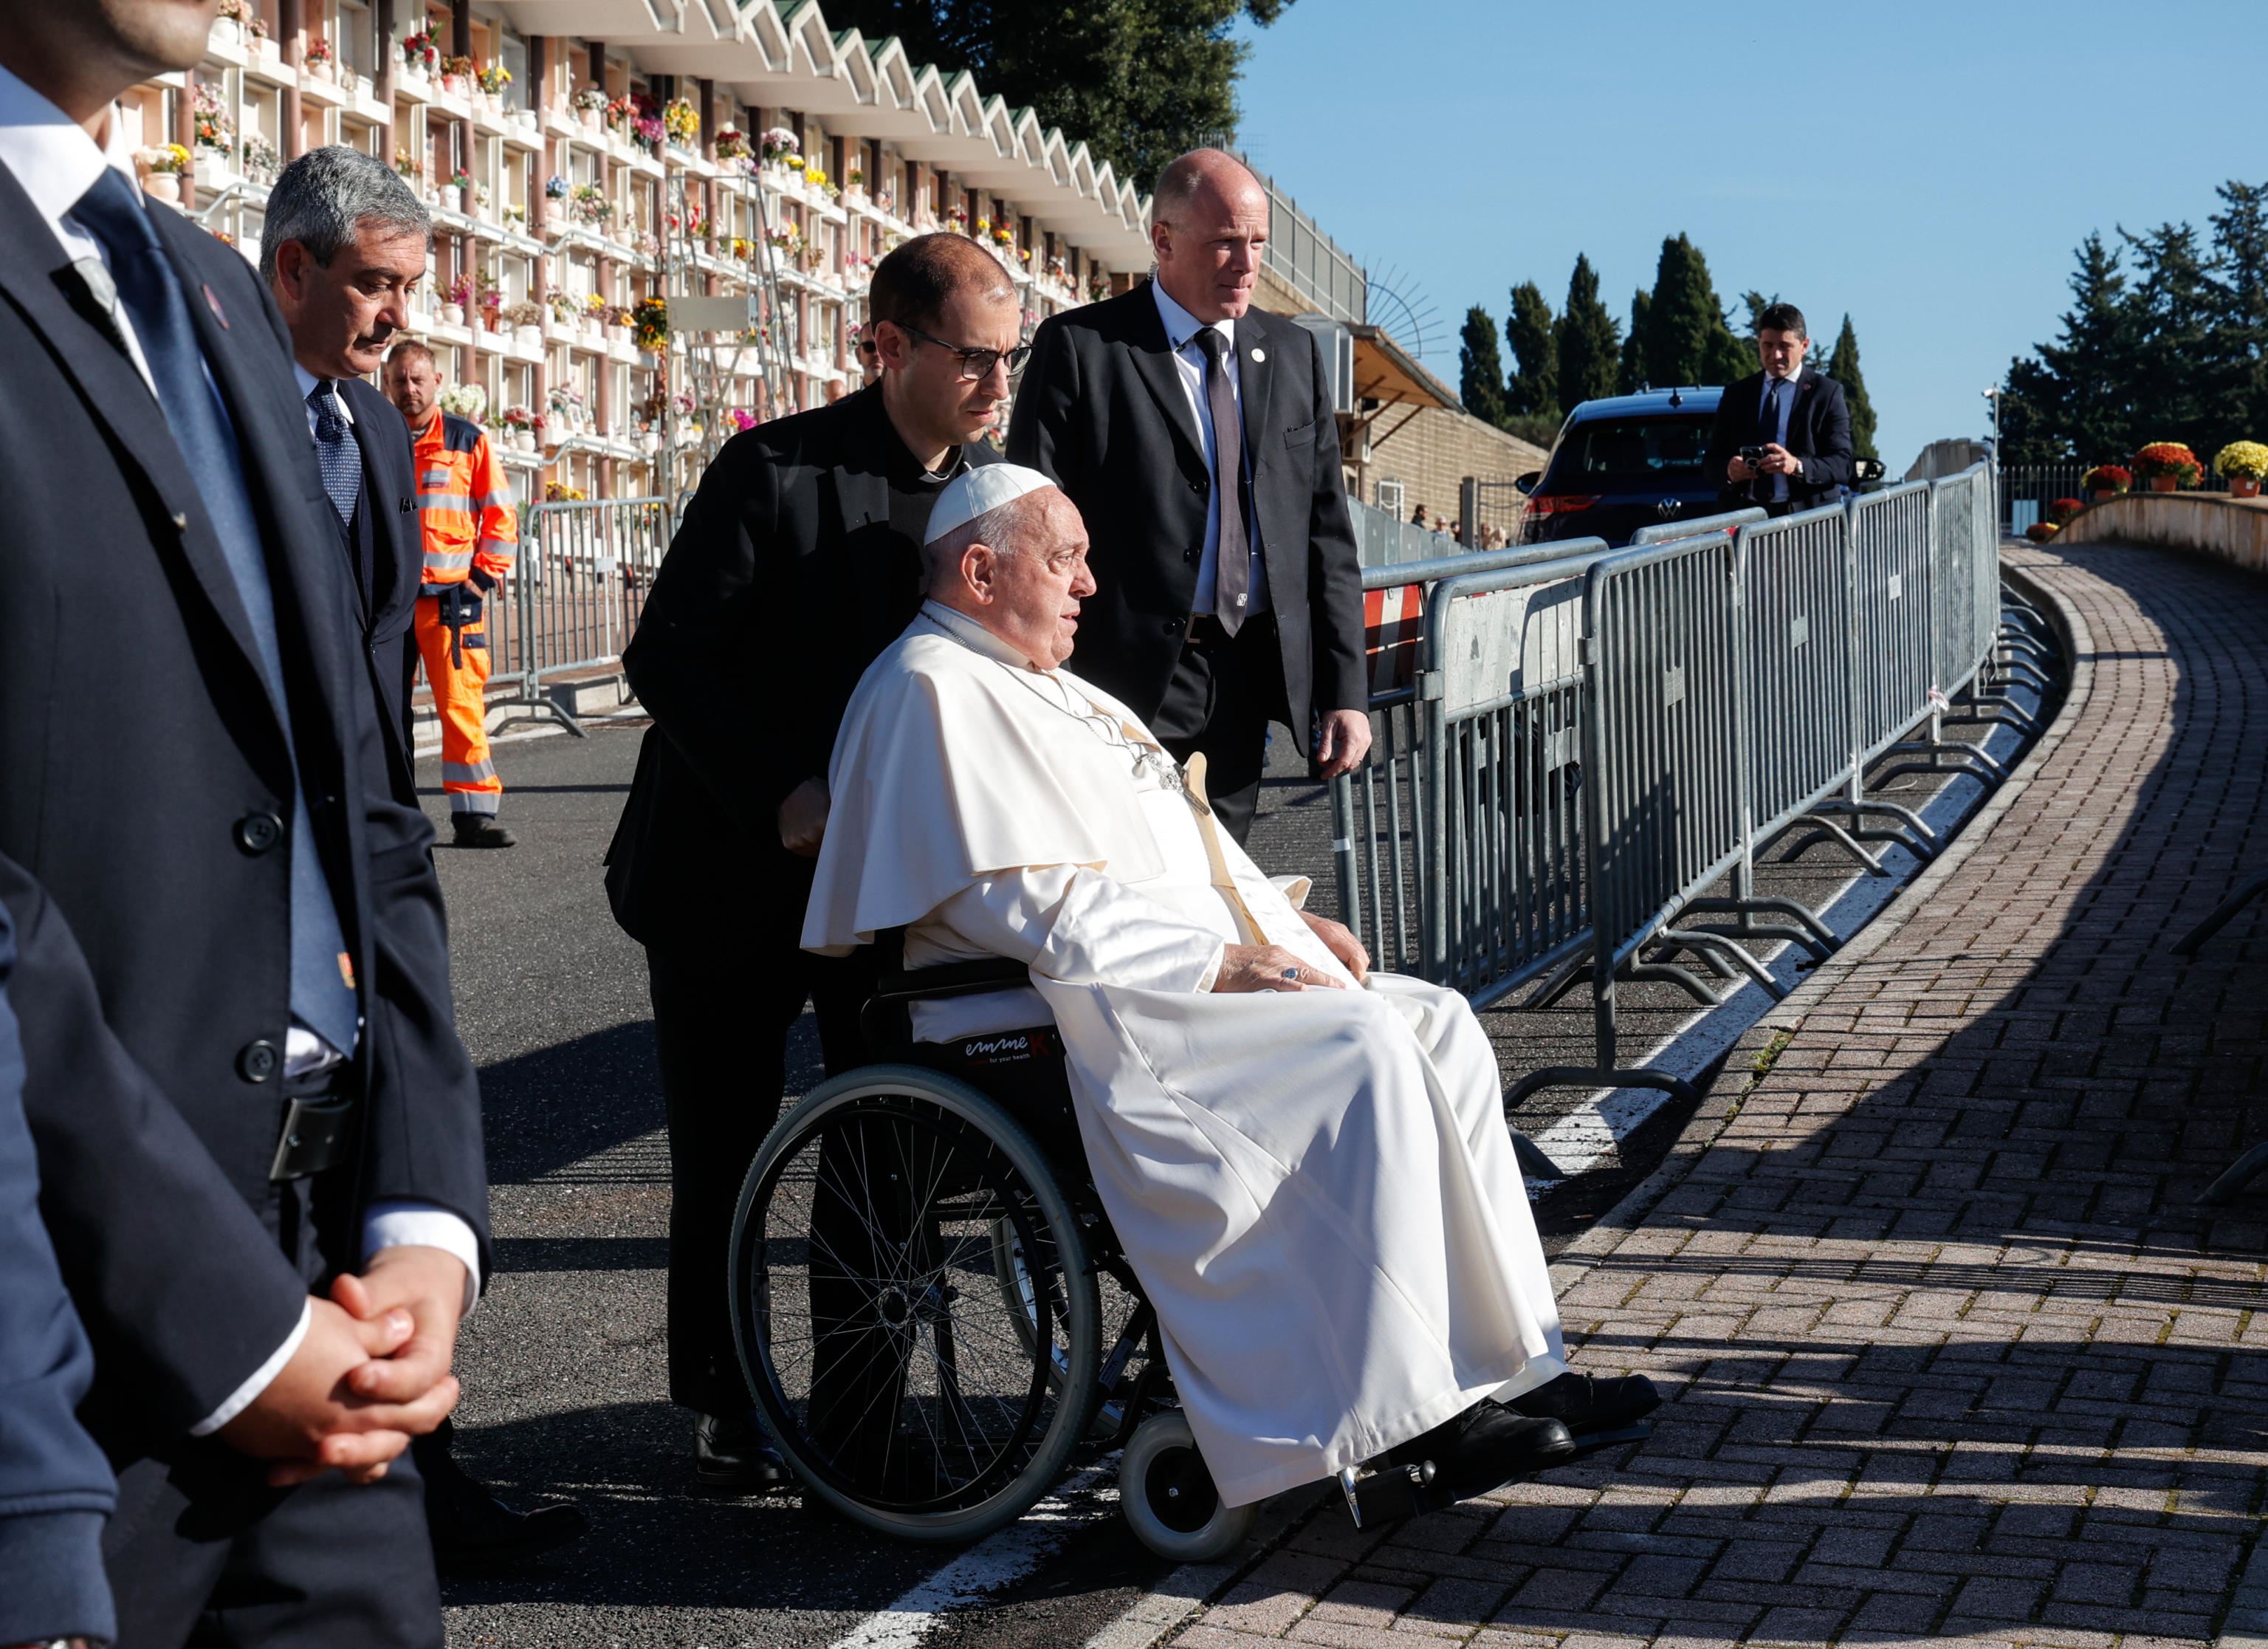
point(1290, 973)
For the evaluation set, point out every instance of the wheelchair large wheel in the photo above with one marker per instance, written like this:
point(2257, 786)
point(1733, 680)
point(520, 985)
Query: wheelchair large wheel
point(911, 1385)
point(1169, 1498)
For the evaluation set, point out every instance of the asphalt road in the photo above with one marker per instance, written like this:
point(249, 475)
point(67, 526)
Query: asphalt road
point(564, 1361)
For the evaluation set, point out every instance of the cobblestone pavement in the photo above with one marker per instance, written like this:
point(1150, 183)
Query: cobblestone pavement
point(1950, 1350)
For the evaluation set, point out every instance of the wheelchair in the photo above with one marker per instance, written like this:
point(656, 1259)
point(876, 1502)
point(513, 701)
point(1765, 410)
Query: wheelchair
point(931, 1308)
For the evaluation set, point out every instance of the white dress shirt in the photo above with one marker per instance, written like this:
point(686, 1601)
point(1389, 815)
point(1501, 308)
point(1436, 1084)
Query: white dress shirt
point(1181, 329)
point(308, 383)
point(55, 163)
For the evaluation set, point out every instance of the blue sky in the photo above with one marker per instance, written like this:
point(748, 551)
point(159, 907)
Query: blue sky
point(1928, 168)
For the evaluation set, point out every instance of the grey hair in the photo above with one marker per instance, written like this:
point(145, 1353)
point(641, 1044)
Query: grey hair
point(323, 199)
point(998, 529)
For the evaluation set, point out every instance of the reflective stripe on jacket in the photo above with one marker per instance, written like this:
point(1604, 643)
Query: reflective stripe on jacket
point(464, 503)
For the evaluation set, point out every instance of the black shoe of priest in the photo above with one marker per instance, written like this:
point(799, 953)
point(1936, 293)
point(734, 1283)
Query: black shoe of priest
point(1484, 1447)
point(730, 1455)
point(1586, 1403)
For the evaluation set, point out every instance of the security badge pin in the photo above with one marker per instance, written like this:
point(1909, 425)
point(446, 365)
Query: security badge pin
point(1259, 354)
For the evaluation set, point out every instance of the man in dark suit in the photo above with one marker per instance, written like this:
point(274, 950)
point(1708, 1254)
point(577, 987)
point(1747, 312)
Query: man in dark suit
point(342, 241)
point(1196, 435)
point(798, 561)
point(262, 1168)
point(56, 1488)
point(1796, 416)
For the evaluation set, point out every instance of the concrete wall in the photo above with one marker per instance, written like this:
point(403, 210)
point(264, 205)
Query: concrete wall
point(1438, 448)
point(2230, 530)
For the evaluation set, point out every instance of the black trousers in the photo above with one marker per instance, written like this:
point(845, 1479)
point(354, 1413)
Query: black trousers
point(1225, 691)
point(201, 1552)
point(721, 1009)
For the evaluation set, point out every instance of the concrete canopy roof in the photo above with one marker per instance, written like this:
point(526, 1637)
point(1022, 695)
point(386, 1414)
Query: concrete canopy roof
point(778, 55)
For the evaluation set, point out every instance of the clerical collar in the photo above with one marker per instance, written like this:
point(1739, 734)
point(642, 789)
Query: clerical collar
point(899, 464)
point(973, 635)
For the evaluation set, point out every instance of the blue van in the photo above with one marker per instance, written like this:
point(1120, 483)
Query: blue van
point(1624, 462)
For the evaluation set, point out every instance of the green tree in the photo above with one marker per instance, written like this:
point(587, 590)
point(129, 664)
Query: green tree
point(2077, 398)
point(2240, 269)
point(1630, 372)
point(1586, 340)
point(1756, 303)
point(1533, 388)
point(1687, 340)
point(1480, 368)
point(2180, 357)
point(1141, 81)
point(1842, 365)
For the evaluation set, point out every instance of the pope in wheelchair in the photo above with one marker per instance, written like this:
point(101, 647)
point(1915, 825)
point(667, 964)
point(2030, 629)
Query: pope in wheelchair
point(1152, 1159)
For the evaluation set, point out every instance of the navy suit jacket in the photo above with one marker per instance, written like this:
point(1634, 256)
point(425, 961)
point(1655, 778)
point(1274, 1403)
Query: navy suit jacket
point(139, 746)
point(55, 1487)
point(1818, 432)
point(1102, 413)
point(387, 600)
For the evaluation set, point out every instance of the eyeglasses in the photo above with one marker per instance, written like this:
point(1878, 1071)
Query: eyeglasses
point(975, 364)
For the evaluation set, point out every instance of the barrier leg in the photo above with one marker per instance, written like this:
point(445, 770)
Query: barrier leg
point(1702, 942)
point(1813, 933)
point(1684, 978)
point(1826, 830)
point(2223, 913)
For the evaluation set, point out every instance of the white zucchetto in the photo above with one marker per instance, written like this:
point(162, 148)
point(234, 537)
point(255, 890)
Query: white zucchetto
point(978, 490)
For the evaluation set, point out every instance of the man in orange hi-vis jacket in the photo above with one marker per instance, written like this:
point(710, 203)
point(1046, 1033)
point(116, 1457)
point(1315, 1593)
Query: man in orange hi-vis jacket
point(465, 509)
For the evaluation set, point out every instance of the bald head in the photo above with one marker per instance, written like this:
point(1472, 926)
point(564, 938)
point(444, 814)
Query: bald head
point(1208, 221)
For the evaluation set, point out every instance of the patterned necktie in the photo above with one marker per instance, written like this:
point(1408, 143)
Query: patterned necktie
point(336, 451)
point(1232, 589)
point(149, 292)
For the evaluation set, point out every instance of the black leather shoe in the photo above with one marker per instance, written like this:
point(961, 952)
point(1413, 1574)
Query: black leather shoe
point(481, 830)
point(472, 1529)
point(731, 1456)
point(1483, 1448)
point(1586, 1403)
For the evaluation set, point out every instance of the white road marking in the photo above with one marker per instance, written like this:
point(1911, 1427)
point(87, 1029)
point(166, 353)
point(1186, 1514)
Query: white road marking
point(999, 1560)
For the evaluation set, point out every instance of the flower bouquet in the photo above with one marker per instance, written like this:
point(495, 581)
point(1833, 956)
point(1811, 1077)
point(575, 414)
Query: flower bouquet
point(320, 57)
point(163, 165)
point(2040, 532)
point(816, 177)
point(2167, 465)
point(591, 107)
point(209, 118)
point(493, 79)
point(560, 492)
point(465, 400)
point(781, 147)
point(457, 74)
point(650, 325)
point(2063, 509)
point(2241, 463)
point(732, 143)
point(680, 123)
point(554, 188)
point(2107, 480)
point(420, 55)
point(260, 159)
point(589, 204)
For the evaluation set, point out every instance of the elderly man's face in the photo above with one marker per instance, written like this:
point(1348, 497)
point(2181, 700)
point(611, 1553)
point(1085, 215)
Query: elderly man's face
point(1029, 597)
point(341, 318)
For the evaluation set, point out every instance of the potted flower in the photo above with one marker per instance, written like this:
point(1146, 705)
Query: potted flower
point(618, 323)
point(588, 204)
point(164, 166)
point(465, 400)
point(318, 58)
point(647, 128)
point(492, 79)
point(260, 159)
point(455, 298)
point(457, 74)
point(490, 302)
point(957, 220)
point(650, 325)
point(227, 30)
point(2106, 481)
point(2063, 509)
point(595, 310)
point(2167, 465)
point(2040, 532)
point(215, 136)
point(455, 191)
point(680, 123)
point(420, 55)
point(855, 182)
point(526, 320)
point(591, 107)
point(566, 310)
point(731, 145)
point(2241, 463)
point(783, 151)
point(554, 188)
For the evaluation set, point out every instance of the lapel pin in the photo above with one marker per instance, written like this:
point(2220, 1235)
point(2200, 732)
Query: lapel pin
point(1260, 354)
point(213, 304)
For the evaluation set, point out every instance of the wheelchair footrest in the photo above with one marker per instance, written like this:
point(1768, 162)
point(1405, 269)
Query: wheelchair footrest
point(1392, 1496)
point(1612, 1436)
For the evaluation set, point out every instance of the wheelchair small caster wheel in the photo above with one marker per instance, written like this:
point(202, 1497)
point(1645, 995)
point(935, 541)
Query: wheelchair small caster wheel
point(1169, 1498)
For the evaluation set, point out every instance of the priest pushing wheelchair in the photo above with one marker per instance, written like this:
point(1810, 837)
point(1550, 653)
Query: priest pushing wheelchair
point(1148, 1159)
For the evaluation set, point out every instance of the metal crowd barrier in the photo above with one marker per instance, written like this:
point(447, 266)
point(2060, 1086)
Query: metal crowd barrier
point(1584, 743)
point(1727, 523)
point(583, 570)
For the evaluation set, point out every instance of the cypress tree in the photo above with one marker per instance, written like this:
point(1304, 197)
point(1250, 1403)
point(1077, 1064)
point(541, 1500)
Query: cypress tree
point(1533, 388)
point(1688, 339)
point(2084, 397)
point(2239, 268)
point(1842, 365)
point(2180, 354)
point(1630, 372)
point(1480, 368)
point(1588, 342)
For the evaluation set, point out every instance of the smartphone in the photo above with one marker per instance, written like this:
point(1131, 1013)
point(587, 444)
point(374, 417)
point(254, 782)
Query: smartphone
point(1752, 456)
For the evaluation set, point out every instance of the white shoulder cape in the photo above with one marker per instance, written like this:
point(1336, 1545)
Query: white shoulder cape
point(949, 769)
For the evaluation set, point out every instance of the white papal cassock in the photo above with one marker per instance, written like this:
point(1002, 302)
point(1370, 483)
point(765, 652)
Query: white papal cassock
point(1317, 1188)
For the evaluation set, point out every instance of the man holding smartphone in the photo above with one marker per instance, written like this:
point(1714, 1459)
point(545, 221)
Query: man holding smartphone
point(1782, 438)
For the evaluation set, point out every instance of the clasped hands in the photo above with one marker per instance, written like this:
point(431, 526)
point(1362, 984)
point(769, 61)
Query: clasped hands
point(372, 1373)
point(1774, 460)
point(1273, 968)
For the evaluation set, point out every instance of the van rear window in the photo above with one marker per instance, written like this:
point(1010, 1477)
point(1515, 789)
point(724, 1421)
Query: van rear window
point(1611, 453)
